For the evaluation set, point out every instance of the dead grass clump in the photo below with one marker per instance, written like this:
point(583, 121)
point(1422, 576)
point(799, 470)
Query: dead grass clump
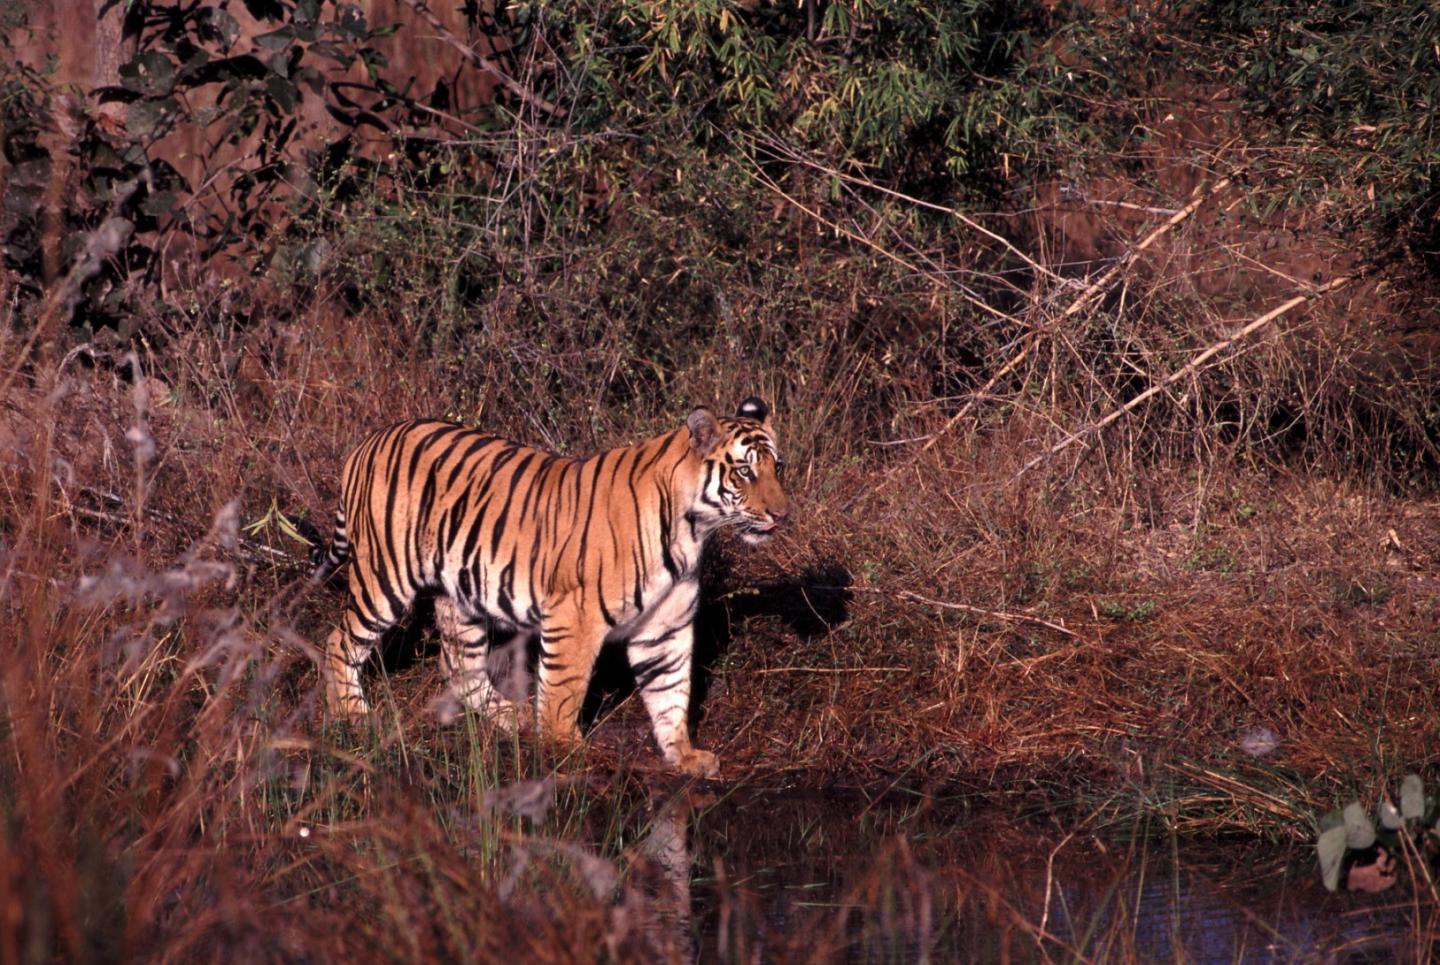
point(168, 786)
point(1155, 589)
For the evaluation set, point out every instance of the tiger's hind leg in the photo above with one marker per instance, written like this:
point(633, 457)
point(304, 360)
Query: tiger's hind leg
point(346, 650)
point(368, 615)
point(570, 639)
point(469, 665)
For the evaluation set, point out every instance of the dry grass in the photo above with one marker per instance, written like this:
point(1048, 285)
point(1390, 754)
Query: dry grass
point(1101, 633)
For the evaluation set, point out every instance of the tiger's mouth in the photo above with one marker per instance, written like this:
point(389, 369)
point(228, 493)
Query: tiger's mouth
point(759, 531)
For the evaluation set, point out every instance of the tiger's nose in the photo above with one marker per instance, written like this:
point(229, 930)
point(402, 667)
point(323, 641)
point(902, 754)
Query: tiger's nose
point(780, 515)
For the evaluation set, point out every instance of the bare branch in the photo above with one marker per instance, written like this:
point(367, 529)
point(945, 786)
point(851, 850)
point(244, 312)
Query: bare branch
point(1188, 369)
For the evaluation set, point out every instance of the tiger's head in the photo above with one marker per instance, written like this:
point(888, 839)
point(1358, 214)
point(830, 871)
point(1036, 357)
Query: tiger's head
point(742, 468)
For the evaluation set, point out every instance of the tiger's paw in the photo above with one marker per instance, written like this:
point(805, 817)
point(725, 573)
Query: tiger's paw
point(344, 699)
point(696, 763)
point(348, 706)
point(507, 716)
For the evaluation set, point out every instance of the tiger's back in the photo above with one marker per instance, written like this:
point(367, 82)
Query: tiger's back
point(575, 551)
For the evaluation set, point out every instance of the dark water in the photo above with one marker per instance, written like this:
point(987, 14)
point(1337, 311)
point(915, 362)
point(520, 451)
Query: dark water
point(771, 876)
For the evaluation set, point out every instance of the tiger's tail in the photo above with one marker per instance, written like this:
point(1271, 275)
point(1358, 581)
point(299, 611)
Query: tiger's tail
point(329, 559)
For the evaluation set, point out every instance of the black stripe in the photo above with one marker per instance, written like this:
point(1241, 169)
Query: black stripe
point(650, 669)
point(589, 517)
point(464, 461)
point(666, 520)
point(609, 617)
point(517, 477)
point(665, 637)
point(507, 590)
point(705, 485)
point(457, 516)
point(388, 553)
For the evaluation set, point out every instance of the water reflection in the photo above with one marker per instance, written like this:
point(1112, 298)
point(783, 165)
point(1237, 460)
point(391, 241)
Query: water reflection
point(759, 876)
point(665, 849)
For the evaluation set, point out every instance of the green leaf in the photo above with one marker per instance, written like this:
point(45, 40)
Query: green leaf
point(373, 60)
point(1359, 829)
point(145, 119)
point(1330, 847)
point(282, 92)
point(149, 73)
point(1412, 796)
point(277, 39)
point(312, 79)
point(159, 203)
point(326, 49)
point(288, 528)
point(225, 27)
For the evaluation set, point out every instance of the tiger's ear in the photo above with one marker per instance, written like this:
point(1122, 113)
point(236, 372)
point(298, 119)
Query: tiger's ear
point(753, 408)
point(704, 431)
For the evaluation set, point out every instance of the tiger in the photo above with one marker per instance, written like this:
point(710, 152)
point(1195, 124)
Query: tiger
point(577, 552)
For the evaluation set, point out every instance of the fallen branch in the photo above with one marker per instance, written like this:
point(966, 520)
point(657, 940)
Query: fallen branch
point(1103, 282)
point(1186, 370)
point(246, 549)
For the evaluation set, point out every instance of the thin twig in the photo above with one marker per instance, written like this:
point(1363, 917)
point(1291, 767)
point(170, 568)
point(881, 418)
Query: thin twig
point(1127, 205)
point(1100, 284)
point(96, 248)
point(982, 611)
point(759, 176)
point(891, 669)
point(792, 155)
point(1187, 369)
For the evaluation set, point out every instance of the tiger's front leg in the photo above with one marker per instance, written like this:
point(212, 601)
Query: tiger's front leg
point(570, 640)
point(661, 654)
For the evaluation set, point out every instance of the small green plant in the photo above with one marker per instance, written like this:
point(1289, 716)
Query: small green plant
point(1116, 610)
point(1361, 850)
point(1211, 557)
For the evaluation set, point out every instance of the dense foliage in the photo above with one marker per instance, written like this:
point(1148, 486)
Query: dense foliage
point(893, 86)
point(1340, 100)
